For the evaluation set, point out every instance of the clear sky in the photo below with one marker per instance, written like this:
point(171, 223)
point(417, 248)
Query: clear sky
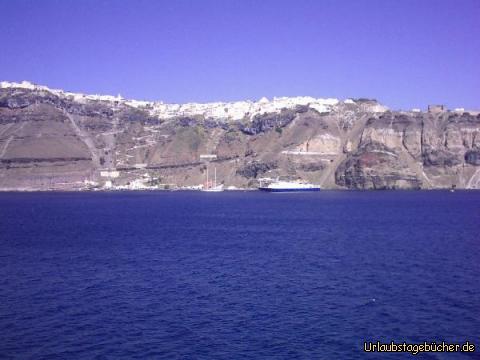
point(405, 53)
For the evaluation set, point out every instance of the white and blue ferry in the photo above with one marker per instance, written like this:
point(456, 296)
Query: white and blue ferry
point(289, 186)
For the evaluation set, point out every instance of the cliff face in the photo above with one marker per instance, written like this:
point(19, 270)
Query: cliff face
point(55, 140)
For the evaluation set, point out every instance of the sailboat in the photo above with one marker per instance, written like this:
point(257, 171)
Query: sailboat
point(208, 186)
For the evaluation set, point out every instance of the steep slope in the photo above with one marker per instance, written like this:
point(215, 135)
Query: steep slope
point(51, 139)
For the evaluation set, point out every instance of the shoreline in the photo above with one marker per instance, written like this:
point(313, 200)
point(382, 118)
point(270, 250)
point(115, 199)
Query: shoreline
point(229, 191)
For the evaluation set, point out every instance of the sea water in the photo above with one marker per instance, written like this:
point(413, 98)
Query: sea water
point(237, 275)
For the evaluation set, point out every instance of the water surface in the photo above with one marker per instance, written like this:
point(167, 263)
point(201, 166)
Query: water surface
point(236, 275)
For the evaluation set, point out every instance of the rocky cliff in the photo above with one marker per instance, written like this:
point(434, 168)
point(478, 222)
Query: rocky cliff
point(51, 139)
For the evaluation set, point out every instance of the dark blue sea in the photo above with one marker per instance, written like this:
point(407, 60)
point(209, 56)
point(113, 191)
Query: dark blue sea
point(237, 275)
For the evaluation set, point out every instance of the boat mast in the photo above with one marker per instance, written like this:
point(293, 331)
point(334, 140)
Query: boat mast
point(207, 178)
point(215, 182)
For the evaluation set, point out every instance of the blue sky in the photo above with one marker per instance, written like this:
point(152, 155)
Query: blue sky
point(405, 53)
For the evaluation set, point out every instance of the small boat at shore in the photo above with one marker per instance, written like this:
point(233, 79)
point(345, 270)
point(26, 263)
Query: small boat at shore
point(289, 186)
point(217, 188)
point(209, 187)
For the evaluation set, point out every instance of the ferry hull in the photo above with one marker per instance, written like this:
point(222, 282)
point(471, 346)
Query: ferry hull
point(288, 190)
